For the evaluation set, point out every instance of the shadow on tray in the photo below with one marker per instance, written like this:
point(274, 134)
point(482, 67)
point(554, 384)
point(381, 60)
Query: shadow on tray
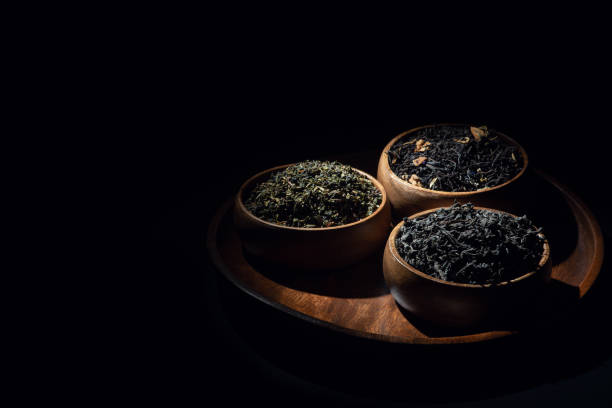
point(557, 298)
point(362, 280)
point(561, 344)
point(546, 206)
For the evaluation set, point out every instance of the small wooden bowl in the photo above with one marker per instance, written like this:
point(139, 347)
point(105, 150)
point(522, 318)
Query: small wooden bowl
point(459, 304)
point(406, 198)
point(311, 248)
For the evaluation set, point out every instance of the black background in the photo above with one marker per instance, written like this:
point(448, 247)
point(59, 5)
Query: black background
point(205, 340)
point(153, 119)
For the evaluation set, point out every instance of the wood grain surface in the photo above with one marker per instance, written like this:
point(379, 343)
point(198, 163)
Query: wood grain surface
point(355, 300)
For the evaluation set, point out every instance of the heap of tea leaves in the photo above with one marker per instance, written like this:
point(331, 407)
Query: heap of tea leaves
point(462, 244)
point(314, 194)
point(454, 158)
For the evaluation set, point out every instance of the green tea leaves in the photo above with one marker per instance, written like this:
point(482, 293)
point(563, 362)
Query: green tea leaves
point(314, 194)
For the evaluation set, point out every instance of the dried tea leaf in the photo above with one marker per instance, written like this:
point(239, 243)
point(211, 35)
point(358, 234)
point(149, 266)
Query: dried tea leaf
point(432, 182)
point(419, 160)
point(513, 157)
point(409, 142)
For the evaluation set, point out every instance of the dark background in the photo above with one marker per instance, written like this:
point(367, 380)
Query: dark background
point(206, 340)
point(154, 119)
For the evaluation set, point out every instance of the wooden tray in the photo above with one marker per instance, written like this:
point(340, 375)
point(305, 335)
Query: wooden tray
point(356, 301)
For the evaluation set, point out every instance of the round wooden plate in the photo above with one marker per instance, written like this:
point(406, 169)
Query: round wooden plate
point(355, 300)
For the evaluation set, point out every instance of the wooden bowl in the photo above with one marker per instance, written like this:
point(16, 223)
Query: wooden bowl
point(311, 248)
point(459, 304)
point(407, 199)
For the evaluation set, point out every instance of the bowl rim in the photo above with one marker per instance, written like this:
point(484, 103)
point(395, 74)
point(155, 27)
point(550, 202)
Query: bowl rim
point(250, 180)
point(455, 194)
point(391, 243)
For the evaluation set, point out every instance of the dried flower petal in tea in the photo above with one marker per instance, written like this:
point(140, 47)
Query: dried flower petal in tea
point(451, 155)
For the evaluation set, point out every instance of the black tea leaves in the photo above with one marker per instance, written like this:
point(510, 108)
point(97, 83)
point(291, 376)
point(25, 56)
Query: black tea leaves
point(454, 158)
point(465, 245)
